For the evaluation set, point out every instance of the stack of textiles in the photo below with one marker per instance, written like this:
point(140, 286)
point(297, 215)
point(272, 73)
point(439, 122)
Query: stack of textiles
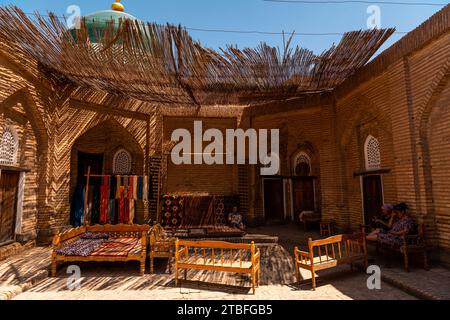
point(196, 211)
point(111, 199)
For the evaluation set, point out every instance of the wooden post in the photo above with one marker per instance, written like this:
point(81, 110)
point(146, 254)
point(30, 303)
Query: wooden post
point(86, 195)
point(252, 250)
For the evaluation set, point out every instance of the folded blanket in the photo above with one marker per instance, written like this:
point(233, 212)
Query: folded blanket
point(81, 247)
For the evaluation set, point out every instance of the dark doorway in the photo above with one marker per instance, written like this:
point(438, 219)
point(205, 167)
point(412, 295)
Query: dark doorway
point(373, 197)
point(8, 200)
point(303, 194)
point(273, 200)
point(86, 160)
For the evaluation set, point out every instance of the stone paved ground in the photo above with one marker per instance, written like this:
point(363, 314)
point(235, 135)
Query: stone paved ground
point(121, 281)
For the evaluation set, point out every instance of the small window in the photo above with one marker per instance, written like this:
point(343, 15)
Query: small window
point(9, 146)
point(302, 165)
point(122, 162)
point(372, 153)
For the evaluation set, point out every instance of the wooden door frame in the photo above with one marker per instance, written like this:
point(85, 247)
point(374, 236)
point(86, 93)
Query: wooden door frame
point(314, 178)
point(17, 203)
point(361, 183)
point(264, 194)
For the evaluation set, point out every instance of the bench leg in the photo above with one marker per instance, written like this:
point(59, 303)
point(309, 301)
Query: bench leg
point(406, 259)
point(170, 264)
point(313, 278)
point(253, 280)
point(176, 277)
point(259, 275)
point(297, 271)
point(151, 264)
point(54, 268)
point(142, 267)
point(185, 274)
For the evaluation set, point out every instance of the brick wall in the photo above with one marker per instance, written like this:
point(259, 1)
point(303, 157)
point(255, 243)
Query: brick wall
point(201, 178)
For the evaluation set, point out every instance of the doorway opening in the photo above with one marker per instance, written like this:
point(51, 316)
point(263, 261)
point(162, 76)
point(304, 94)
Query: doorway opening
point(86, 160)
point(9, 182)
point(304, 196)
point(273, 200)
point(372, 196)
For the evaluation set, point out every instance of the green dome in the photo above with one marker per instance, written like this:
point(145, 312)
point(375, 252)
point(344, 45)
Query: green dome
point(97, 22)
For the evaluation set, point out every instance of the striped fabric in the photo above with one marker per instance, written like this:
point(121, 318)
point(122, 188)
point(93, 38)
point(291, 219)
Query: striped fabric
point(119, 247)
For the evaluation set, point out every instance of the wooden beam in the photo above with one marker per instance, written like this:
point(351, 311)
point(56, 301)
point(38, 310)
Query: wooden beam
point(372, 172)
point(78, 104)
point(14, 168)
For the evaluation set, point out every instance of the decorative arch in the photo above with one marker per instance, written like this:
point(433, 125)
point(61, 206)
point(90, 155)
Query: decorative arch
point(302, 164)
point(439, 84)
point(107, 138)
point(32, 115)
point(372, 153)
point(9, 145)
point(122, 162)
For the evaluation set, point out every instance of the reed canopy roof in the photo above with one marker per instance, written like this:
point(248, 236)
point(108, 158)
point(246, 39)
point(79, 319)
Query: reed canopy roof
point(163, 64)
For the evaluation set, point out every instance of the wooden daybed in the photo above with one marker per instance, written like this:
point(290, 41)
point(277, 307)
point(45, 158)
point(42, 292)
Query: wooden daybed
point(124, 243)
point(218, 256)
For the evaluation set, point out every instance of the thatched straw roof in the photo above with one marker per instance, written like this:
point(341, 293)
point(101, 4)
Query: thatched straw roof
point(164, 64)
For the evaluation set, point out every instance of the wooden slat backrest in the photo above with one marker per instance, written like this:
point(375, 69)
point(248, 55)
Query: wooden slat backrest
point(68, 235)
point(119, 228)
point(211, 249)
point(214, 244)
point(347, 246)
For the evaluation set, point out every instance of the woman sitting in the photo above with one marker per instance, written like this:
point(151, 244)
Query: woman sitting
point(404, 225)
point(384, 223)
point(235, 219)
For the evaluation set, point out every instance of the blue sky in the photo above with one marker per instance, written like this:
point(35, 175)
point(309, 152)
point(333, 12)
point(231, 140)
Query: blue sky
point(252, 15)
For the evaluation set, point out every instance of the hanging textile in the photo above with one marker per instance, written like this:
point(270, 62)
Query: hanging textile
point(78, 206)
point(140, 185)
point(132, 213)
point(197, 211)
point(121, 205)
point(112, 218)
point(104, 197)
point(112, 187)
point(135, 186)
point(95, 204)
point(118, 184)
point(125, 186)
point(130, 201)
point(171, 210)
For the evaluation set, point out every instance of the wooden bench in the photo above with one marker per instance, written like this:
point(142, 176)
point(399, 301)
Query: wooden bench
point(329, 253)
point(412, 244)
point(125, 243)
point(218, 256)
point(161, 245)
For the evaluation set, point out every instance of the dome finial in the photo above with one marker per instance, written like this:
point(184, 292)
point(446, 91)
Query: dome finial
point(117, 6)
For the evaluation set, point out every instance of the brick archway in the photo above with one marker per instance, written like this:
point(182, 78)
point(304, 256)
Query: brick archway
point(106, 138)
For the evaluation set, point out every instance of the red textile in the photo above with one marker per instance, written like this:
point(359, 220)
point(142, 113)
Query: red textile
point(121, 206)
point(130, 213)
point(104, 197)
